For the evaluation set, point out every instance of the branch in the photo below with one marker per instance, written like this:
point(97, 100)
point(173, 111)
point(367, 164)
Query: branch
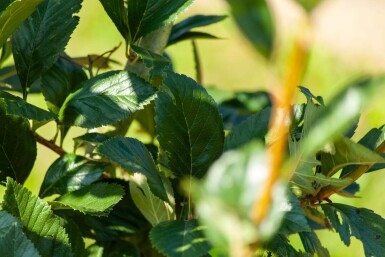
point(49, 144)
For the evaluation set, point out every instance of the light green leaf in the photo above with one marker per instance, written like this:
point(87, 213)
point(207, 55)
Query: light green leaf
point(106, 99)
point(17, 146)
point(255, 21)
point(70, 173)
point(361, 223)
point(254, 127)
point(180, 238)
point(132, 155)
point(309, 5)
point(188, 142)
point(96, 199)
point(18, 107)
point(153, 208)
point(14, 15)
point(42, 227)
point(37, 43)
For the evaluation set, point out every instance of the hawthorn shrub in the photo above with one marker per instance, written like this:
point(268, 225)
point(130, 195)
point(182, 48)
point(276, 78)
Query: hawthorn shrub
point(230, 178)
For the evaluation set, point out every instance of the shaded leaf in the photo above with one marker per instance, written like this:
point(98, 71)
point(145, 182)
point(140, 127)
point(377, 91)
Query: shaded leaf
point(69, 173)
point(132, 155)
point(361, 223)
point(16, 140)
point(18, 107)
point(113, 249)
point(91, 138)
point(280, 246)
point(7, 221)
point(96, 199)
point(106, 99)
point(9, 80)
point(312, 244)
point(189, 144)
point(194, 35)
point(179, 238)
point(41, 226)
point(75, 238)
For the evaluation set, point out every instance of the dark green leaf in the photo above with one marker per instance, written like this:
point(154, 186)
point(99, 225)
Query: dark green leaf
point(255, 21)
point(309, 5)
point(10, 81)
point(16, 244)
point(18, 107)
point(312, 244)
point(179, 238)
point(42, 37)
point(14, 15)
point(6, 52)
point(254, 127)
point(59, 81)
point(280, 246)
point(362, 223)
point(194, 35)
point(7, 221)
point(179, 30)
point(118, 14)
point(106, 99)
point(17, 147)
point(96, 199)
point(132, 155)
point(75, 238)
point(69, 173)
point(4, 4)
point(42, 227)
point(91, 138)
point(187, 140)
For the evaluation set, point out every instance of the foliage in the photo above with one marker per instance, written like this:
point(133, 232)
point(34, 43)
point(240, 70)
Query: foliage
point(235, 177)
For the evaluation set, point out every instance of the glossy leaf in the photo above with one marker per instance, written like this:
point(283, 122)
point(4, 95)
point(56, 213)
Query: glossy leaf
point(117, 94)
point(180, 238)
point(17, 147)
point(41, 226)
point(18, 107)
point(41, 38)
point(59, 81)
point(96, 199)
point(70, 173)
point(153, 208)
point(255, 21)
point(361, 223)
point(132, 155)
point(180, 29)
point(187, 141)
point(9, 22)
point(254, 127)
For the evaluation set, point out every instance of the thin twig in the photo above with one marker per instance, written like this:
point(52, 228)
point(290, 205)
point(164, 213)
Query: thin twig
point(49, 144)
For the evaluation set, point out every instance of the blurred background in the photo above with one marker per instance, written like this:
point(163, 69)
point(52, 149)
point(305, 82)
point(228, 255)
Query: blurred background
point(349, 38)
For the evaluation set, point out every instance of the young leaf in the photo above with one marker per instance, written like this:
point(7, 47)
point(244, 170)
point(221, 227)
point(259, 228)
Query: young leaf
point(180, 30)
point(187, 140)
point(254, 127)
point(9, 22)
point(153, 209)
point(59, 81)
point(179, 238)
point(41, 38)
point(69, 173)
point(132, 155)
point(362, 223)
point(255, 21)
point(17, 147)
point(96, 199)
point(18, 107)
point(41, 226)
point(106, 99)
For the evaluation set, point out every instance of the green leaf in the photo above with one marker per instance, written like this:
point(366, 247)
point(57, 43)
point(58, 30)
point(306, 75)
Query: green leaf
point(142, 16)
point(255, 21)
point(41, 226)
point(70, 173)
point(194, 35)
point(309, 5)
point(91, 138)
point(4, 4)
point(42, 37)
point(180, 30)
point(361, 223)
point(16, 244)
point(17, 147)
point(10, 81)
point(188, 142)
point(280, 246)
point(59, 81)
point(347, 153)
point(106, 99)
point(75, 238)
point(153, 208)
point(7, 221)
point(96, 199)
point(113, 249)
point(132, 155)
point(179, 238)
point(14, 15)
point(312, 244)
point(18, 107)
point(254, 127)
